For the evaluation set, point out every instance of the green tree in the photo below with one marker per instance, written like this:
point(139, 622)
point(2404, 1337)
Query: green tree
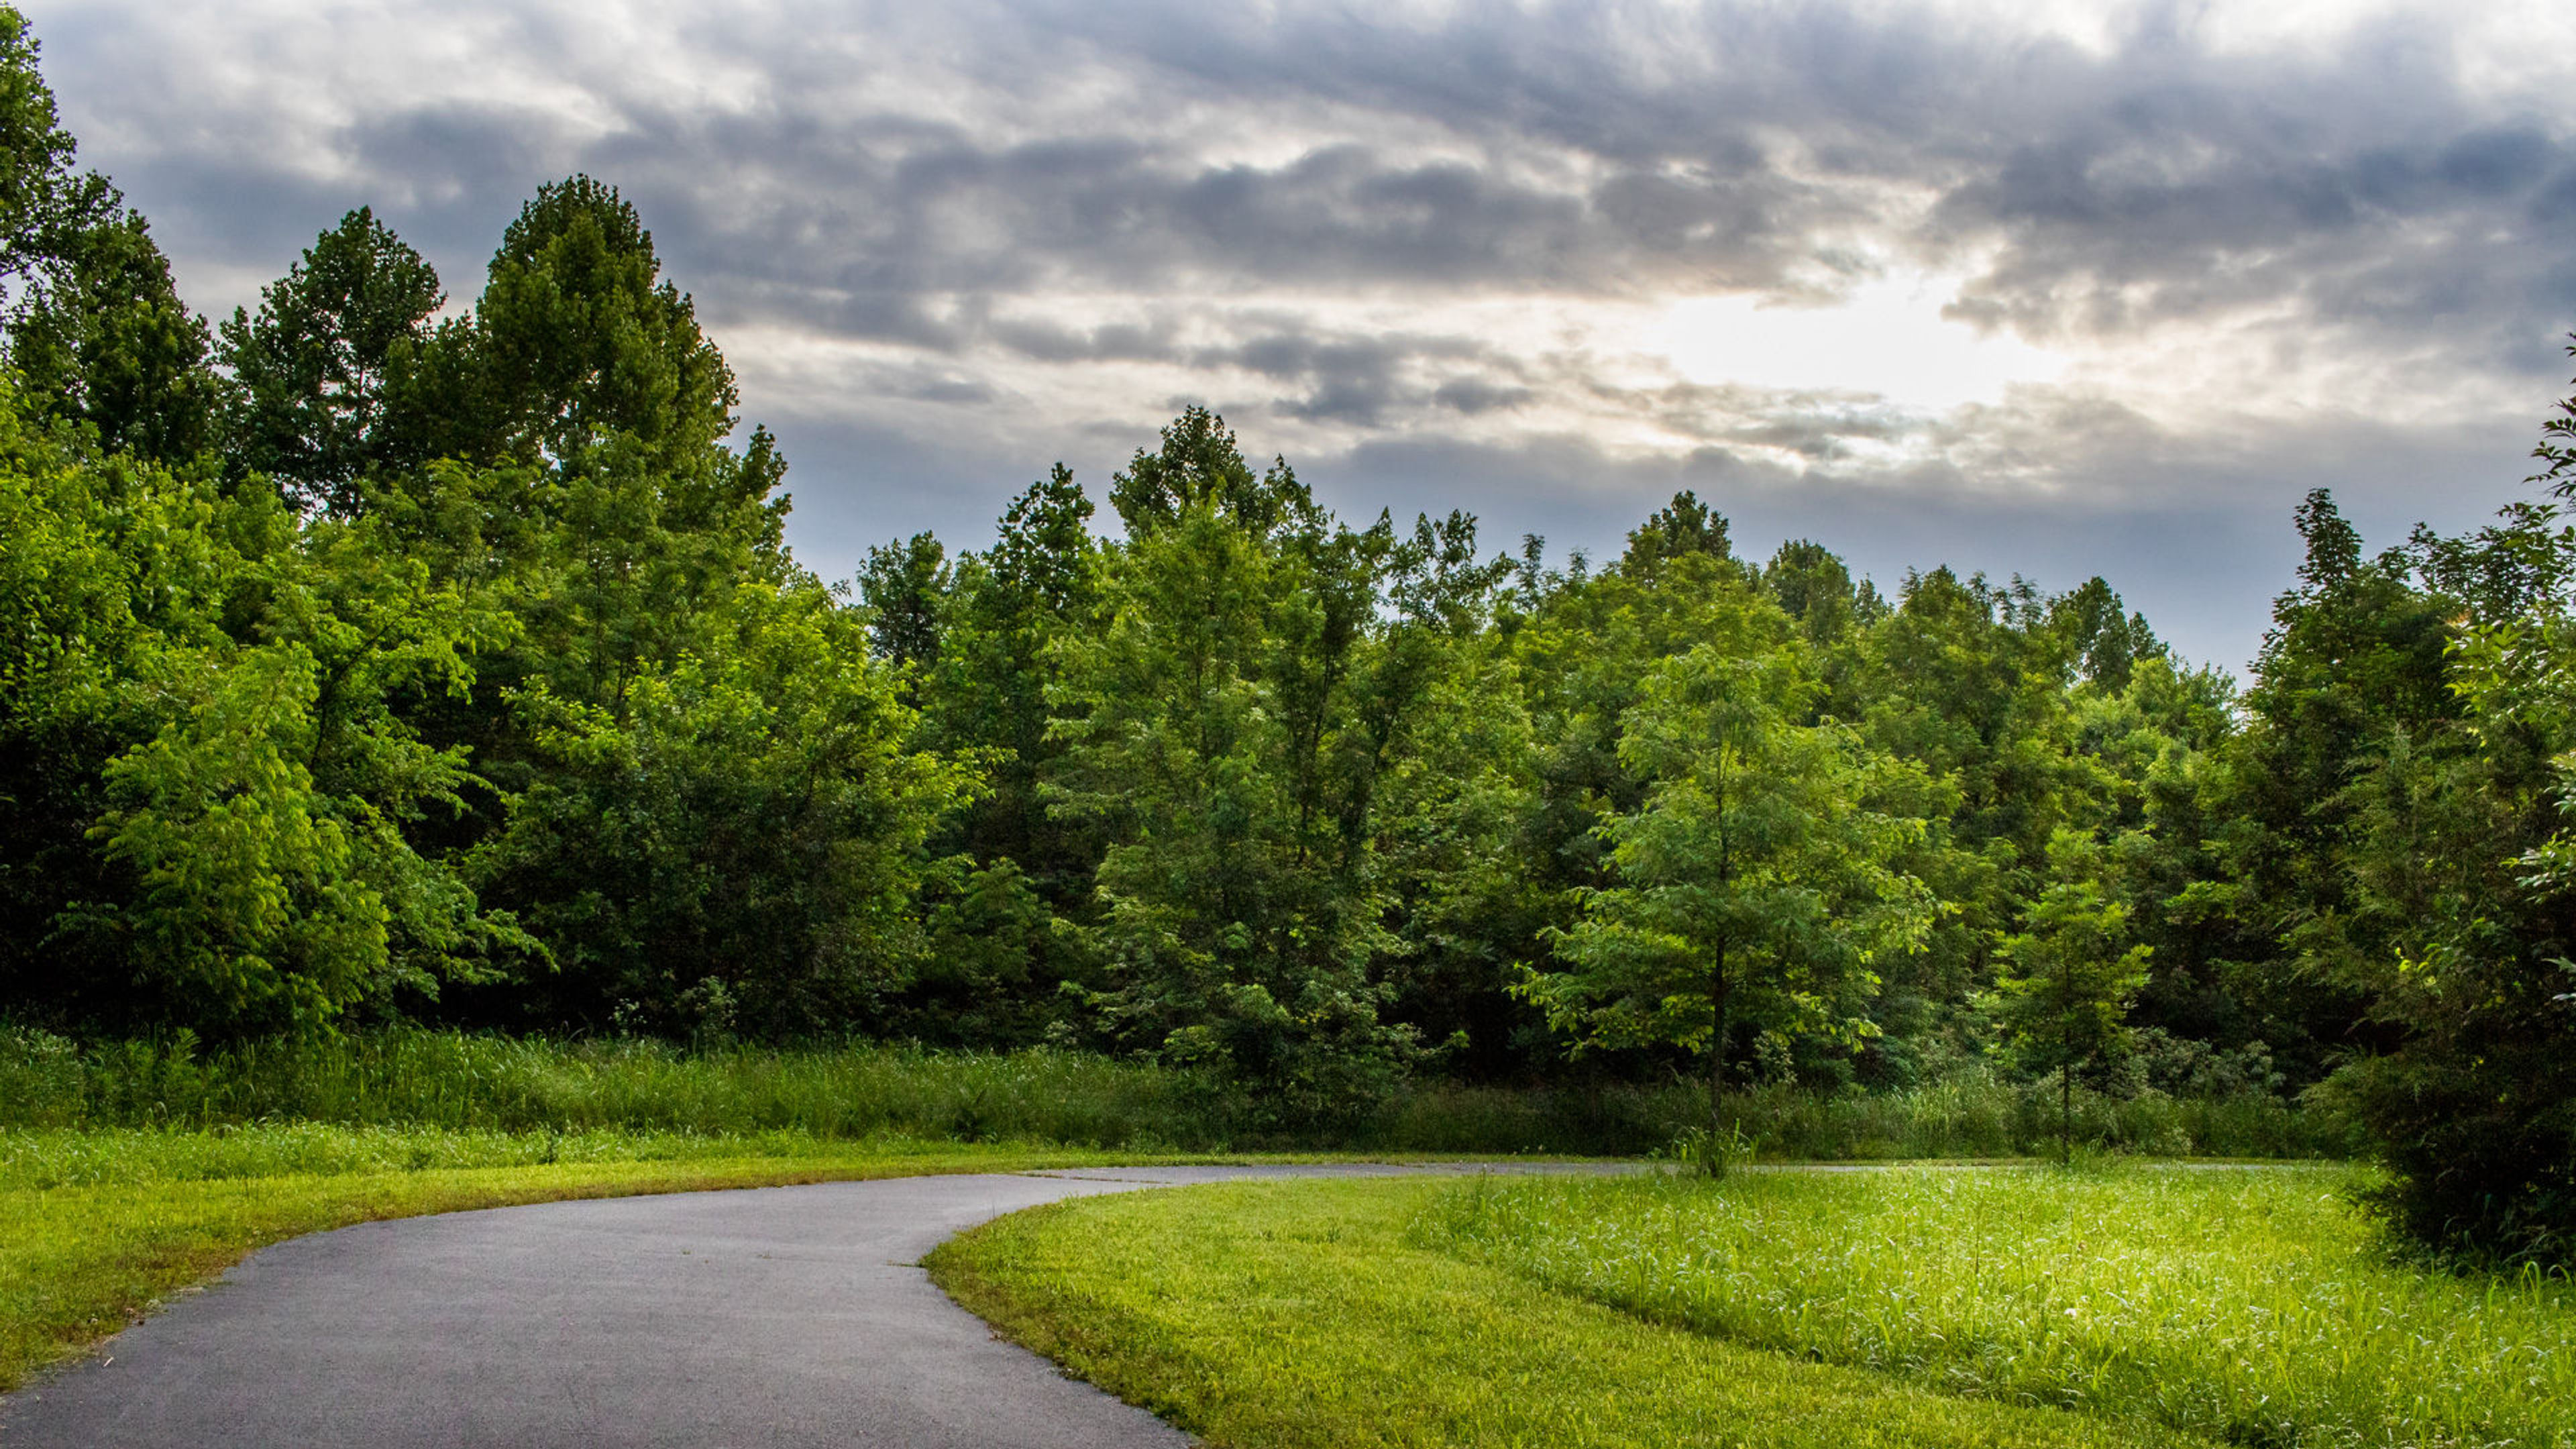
point(95, 330)
point(905, 586)
point(2556, 450)
point(215, 804)
point(2458, 867)
point(998, 621)
point(739, 841)
point(1754, 883)
point(2069, 975)
point(576, 336)
point(309, 372)
point(105, 341)
point(1227, 728)
point(2357, 656)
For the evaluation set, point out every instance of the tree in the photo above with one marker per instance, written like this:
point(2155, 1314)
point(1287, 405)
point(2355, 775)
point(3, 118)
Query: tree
point(2557, 447)
point(2068, 975)
point(1683, 527)
point(215, 800)
point(96, 331)
point(1002, 619)
point(2356, 656)
point(105, 341)
point(309, 372)
point(2461, 870)
point(904, 585)
point(2107, 642)
point(1225, 729)
point(1754, 885)
point(1198, 467)
point(576, 337)
point(739, 842)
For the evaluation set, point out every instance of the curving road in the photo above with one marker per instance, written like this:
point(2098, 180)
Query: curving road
point(783, 1316)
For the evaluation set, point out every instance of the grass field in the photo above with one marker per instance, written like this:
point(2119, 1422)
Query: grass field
point(103, 1224)
point(2137, 1304)
point(1262, 1316)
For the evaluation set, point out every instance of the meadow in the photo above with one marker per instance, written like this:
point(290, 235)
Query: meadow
point(2118, 1303)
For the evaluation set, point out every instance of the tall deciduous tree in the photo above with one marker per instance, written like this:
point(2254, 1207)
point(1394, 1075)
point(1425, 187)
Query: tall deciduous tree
point(309, 371)
point(578, 336)
point(1227, 731)
point(2070, 973)
point(105, 341)
point(1754, 884)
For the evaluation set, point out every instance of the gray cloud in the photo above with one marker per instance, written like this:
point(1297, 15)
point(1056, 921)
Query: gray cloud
point(993, 205)
point(1574, 163)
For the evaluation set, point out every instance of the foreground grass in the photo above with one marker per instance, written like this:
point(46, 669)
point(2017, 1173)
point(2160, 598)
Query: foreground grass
point(97, 1227)
point(2254, 1306)
point(1303, 1314)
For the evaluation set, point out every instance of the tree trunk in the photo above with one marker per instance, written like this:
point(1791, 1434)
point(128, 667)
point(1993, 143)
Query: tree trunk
point(2066, 1061)
point(1718, 991)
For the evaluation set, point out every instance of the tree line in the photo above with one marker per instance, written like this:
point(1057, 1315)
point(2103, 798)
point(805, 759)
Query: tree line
point(365, 662)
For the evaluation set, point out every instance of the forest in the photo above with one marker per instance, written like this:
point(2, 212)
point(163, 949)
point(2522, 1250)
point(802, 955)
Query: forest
point(371, 659)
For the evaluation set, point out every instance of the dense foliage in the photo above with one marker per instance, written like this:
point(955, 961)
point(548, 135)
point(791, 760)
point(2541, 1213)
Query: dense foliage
point(363, 666)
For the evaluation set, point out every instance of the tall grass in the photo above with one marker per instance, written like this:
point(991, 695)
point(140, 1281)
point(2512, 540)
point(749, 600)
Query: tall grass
point(494, 1084)
point(2251, 1305)
point(1976, 1117)
point(464, 1082)
point(40, 1159)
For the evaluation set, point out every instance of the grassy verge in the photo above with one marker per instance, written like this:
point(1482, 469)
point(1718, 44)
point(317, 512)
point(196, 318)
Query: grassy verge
point(2252, 1306)
point(1302, 1314)
point(102, 1225)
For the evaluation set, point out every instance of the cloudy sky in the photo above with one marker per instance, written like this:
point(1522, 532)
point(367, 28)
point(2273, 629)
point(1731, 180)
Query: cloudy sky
point(2060, 289)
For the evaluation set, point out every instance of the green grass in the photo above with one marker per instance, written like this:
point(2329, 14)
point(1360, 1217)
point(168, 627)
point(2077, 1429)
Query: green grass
point(2254, 1306)
point(1303, 1314)
point(487, 1083)
point(484, 1083)
point(129, 1170)
point(1971, 1118)
point(101, 1225)
point(65, 1157)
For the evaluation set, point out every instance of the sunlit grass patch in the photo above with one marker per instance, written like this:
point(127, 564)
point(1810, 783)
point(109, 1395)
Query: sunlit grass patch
point(2253, 1305)
point(1298, 1314)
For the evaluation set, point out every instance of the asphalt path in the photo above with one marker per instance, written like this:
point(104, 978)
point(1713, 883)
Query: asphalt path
point(784, 1316)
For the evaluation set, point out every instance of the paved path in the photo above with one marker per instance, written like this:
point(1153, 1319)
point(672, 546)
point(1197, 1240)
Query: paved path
point(782, 1316)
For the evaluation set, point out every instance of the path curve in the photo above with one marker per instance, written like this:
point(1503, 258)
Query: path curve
point(782, 1316)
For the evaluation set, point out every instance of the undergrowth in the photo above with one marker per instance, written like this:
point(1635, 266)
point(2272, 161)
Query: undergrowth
point(465, 1082)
